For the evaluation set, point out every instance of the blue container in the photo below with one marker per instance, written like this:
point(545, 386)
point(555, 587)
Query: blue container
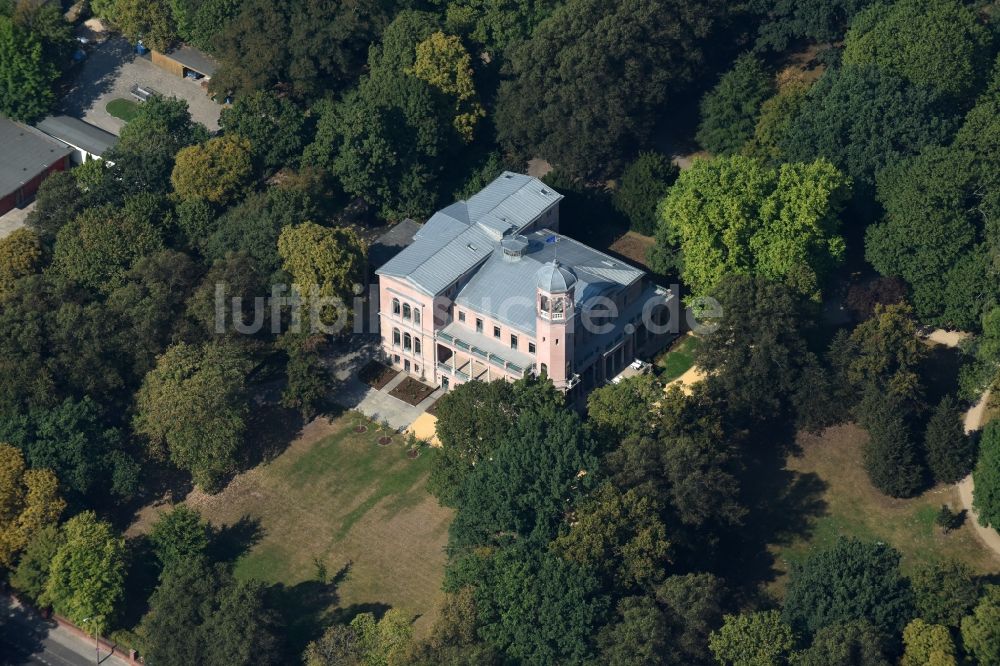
point(140, 49)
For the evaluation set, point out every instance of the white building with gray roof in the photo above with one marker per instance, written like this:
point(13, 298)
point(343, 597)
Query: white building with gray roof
point(490, 289)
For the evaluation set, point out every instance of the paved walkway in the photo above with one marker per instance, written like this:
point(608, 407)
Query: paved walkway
point(346, 361)
point(109, 72)
point(973, 422)
point(14, 219)
point(25, 638)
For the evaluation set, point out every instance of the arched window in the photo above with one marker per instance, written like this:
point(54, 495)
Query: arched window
point(406, 310)
point(545, 370)
point(416, 346)
point(407, 342)
point(395, 306)
point(416, 316)
point(395, 337)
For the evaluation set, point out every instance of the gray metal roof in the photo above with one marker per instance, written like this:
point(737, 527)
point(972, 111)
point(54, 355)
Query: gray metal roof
point(464, 234)
point(392, 242)
point(555, 278)
point(194, 59)
point(24, 153)
point(79, 134)
point(505, 290)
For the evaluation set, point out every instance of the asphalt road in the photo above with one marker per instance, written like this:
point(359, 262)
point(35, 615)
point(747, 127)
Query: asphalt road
point(26, 638)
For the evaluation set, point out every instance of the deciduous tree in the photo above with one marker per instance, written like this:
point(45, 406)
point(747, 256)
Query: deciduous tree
point(752, 639)
point(20, 255)
point(854, 643)
point(938, 43)
point(102, 244)
point(758, 355)
point(945, 592)
point(217, 171)
point(27, 78)
point(87, 576)
point(443, 62)
point(863, 119)
point(852, 580)
point(620, 536)
point(617, 410)
point(568, 99)
point(57, 202)
point(193, 404)
point(928, 644)
point(32, 573)
point(150, 21)
point(536, 606)
point(273, 125)
point(326, 265)
point(473, 420)
point(201, 614)
point(735, 215)
point(542, 463)
point(981, 630)
point(932, 223)
point(29, 502)
point(179, 536)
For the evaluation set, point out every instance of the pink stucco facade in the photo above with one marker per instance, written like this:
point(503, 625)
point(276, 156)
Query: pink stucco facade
point(431, 328)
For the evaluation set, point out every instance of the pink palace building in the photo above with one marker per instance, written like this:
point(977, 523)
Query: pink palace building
point(489, 289)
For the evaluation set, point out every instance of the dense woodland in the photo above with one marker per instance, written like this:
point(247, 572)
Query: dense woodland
point(633, 534)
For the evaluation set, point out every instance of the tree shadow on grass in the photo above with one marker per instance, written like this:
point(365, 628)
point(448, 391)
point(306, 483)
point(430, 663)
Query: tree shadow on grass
point(229, 542)
point(940, 373)
point(270, 430)
point(141, 578)
point(307, 609)
point(783, 506)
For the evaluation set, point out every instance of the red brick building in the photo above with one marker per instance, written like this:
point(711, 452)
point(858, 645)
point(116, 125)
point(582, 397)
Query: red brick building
point(27, 156)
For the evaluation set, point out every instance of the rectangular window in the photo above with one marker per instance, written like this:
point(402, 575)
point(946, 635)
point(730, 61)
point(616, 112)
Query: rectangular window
point(513, 342)
point(531, 347)
point(461, 316)
point(496, 332)
point(479, 325)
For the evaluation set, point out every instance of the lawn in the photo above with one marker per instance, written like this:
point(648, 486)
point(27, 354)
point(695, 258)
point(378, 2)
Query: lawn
point(123, 108)
point(678, 359)
point(337, 502)
point(853, 507)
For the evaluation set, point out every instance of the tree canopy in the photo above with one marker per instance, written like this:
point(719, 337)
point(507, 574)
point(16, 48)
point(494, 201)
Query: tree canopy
point(87, 576)
point(217, 171)
point(852, 580)
point(567, 98)
point(863, 119)
point(27, 76)
point(735, 215)
point(938, 43)
point(29, 502)
point(729, 111)
point(192, 405)
point(986, 476)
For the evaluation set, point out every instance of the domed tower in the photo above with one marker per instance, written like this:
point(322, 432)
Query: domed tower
point(554, 322)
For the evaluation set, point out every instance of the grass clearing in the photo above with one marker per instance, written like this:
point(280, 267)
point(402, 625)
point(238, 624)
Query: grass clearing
point(853, 507)
point(678, 359)
point(124, 109)
point(337, 501)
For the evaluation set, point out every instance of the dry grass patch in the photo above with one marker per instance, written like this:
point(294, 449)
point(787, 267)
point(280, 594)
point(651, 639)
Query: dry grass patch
point(855, 508)
point(633, 246)
point(338, 501)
